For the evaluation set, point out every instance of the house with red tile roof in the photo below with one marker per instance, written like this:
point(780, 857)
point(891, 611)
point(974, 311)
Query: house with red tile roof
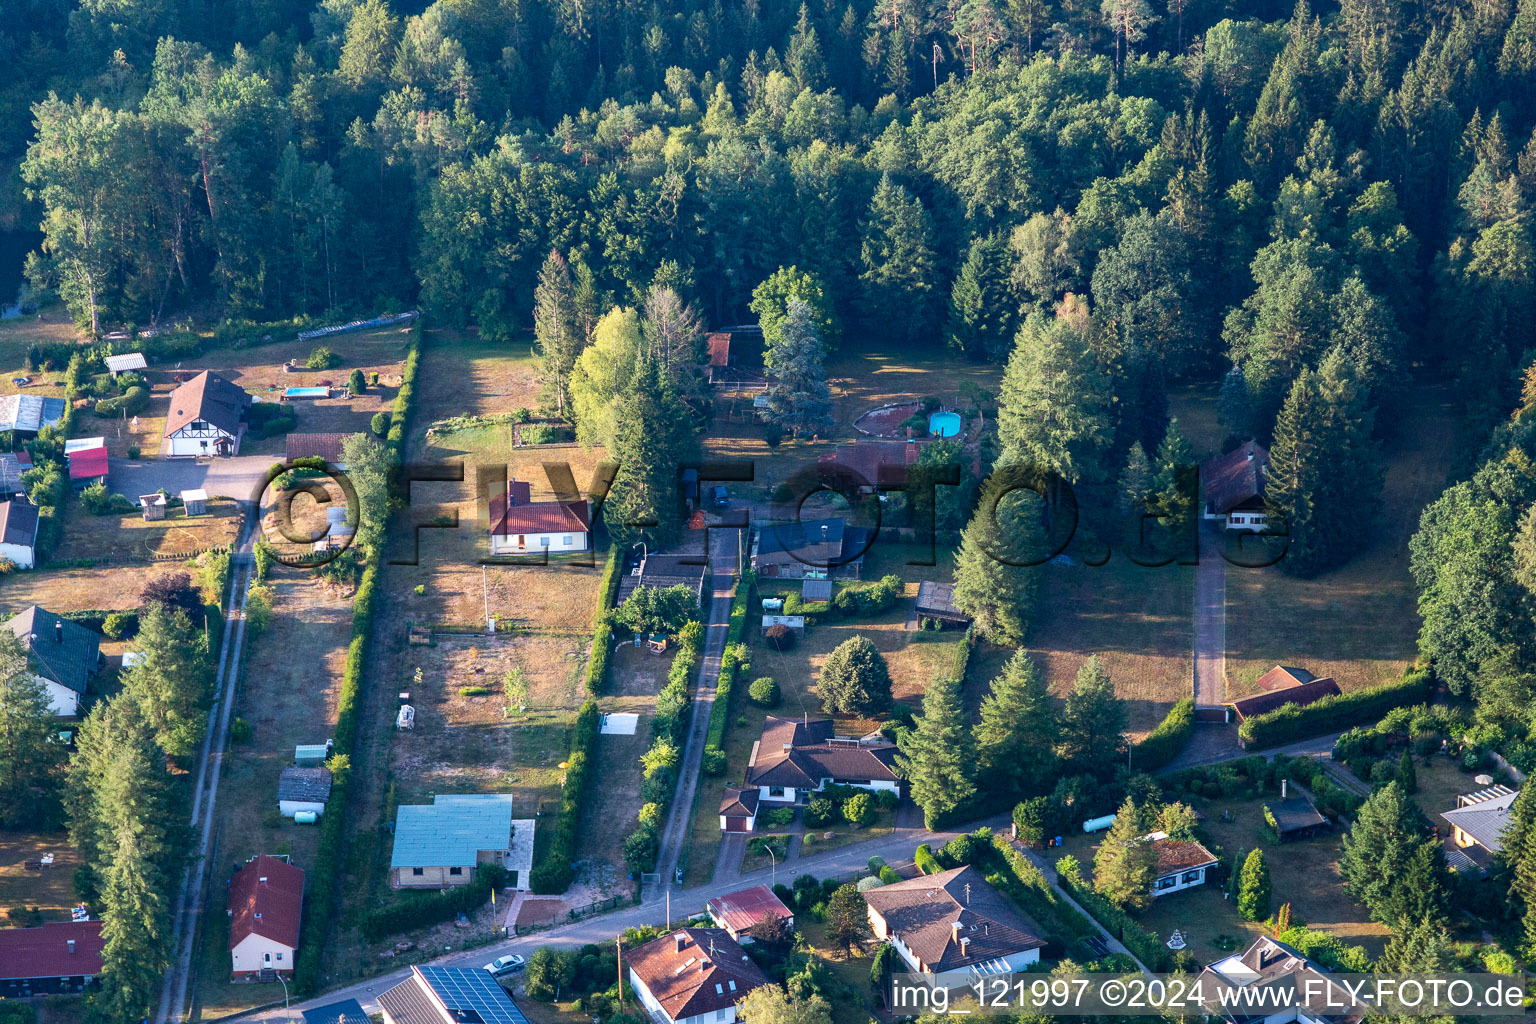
point(739, 912)
point(692, 976)
point(62, 956)
point(520, 525)
point(1284, 685)
point(266, 899)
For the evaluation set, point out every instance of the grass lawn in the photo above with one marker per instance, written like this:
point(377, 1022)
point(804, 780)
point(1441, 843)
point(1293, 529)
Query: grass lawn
point(1135, 619)
point(855, 1005)
point(129, 537)
point(867, 372)
point(51, 890)
point(1358, 623)
point(63, 590)
point(464, 376)
point(288, 690)
point(1441, 781)
point(819, 840)
point(1305, 874)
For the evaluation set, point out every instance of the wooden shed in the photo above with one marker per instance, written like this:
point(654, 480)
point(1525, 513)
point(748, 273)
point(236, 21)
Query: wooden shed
point(196, 501)
point(153, 505)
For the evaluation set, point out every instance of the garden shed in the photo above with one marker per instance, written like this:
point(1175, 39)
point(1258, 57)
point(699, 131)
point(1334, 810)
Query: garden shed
point(153, 505)
point(196, 501)
point(303, 789)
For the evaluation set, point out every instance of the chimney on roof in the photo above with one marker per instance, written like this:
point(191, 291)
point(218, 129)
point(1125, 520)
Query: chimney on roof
point(682, 940)
point(262, 879)
point(1282, 788)
point(956, 926)
point(71, 944)
point(963, 944)
point(823, 533)
point(58, 631)
point(1250, 456)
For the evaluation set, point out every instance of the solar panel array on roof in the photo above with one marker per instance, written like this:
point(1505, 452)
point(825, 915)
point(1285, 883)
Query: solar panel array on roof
point(471, 990)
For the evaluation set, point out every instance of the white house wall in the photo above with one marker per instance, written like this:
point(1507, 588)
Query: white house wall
point(535, 542)
point(21, 554)
point(1179, 883)
point(248, 954)
point(61, 699)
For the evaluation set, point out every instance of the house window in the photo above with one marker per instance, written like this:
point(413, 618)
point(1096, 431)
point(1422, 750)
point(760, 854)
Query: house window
point(776, 791)
point(1191, 876)
point(1167, 882)
point(566, 540)
point(543, 542)
point(199, 425)
point(279, 956)
point(455, 871)
point(418, 872)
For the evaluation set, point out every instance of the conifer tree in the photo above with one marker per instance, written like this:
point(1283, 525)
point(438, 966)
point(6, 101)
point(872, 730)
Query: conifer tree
point(1234, 407)
point(1017, 730)
point(1325, 469)
point(854, 679)
point(1517, 862)
point(1054, 403)
point(938, 756)
point(799, 399)
point(556, 331)
point(1254, 889)
point(31, 758)
point(981, 321)
point(1093, 720)
point(1391, 863)
point(1125, 864)
point(899, 272)
point(996, 567)
point(1135, 485)
point(652, 437)
point(173, 683)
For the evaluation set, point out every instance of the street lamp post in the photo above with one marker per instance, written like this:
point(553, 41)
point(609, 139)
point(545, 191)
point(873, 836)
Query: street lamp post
point(283, 983)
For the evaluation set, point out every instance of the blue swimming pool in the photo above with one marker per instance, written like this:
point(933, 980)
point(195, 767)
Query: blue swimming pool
point(944, 424)
point(306, 392)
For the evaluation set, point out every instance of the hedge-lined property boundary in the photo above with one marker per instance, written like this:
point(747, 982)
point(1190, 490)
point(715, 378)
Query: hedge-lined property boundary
point(320, 897)
point(1293, 722)
point(1142, 943)
point(554, 873)
point(426, 909)
point(1028, 887)
point(720, 713)
point(602, 635)
point(1163, 744)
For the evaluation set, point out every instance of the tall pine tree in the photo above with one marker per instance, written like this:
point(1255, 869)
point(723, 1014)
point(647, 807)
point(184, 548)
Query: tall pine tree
point(938, 756)
point(899, 273)
point(996, 567)
point(1016, 734)
point(31, 758)
point(557, 332)
point(799, 399)
point(981, 320)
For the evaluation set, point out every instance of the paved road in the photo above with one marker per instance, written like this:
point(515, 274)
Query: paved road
point(189, 896)
point(236, 477)
point(674, 837)
point(1210, 646)
point(845, 862)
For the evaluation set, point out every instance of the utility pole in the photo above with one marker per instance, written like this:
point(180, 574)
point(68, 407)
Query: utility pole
point(618, 950)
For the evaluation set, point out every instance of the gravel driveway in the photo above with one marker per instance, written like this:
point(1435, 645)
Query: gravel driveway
point(236, 477)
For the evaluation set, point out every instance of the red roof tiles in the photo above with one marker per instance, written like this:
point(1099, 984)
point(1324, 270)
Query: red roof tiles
point(266, 898)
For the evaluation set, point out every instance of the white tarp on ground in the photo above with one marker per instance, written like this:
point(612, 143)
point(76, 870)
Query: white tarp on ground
point(620, 723)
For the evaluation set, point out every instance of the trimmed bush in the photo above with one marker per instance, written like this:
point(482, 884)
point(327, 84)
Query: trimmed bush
point(130, 403)
point(1292, 722)
point(120, 625)
point(379, 424)
point(322, 358)
point(1163, 744)
point(355, 382)
point(421, 911)
point(868, 598)
point(555, 873)
point(765, 691)
point(602, 636)
point(714, 761)
point(926, 862)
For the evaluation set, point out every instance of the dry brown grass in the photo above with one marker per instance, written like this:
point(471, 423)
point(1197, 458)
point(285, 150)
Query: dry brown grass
point(121, 433)
point(1358, 623)
point(288, 691)
point(866, 374)
point(51, 890)
point(463, 376)
point(1134, 619)
point(65, 590)
point(129, 537)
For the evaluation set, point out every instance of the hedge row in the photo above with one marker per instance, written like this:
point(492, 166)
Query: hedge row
point(1164, 743)
point(1027, 885)
point(1293, 722)
point(405, 398)
point(1142, 943)
point(554, 873)
point(720, 713)
point(421, 911)
point(320, 899)
point(602, 636)
point(962, 662)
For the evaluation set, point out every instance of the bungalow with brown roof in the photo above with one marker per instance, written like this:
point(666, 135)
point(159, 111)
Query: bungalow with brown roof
point(520, 525)
point(739, 912)
point(1284, 685)
point(1181, 864)
point(1234, 487)
point(796, 758)
point(692, 976)
point(266, 899)
point(953, 921)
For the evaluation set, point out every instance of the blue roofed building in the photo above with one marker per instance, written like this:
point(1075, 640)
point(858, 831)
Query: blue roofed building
point(348, 1011)
point(440, 844)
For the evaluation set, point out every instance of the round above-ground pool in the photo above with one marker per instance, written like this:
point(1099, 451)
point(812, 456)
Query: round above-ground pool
point(944, 424)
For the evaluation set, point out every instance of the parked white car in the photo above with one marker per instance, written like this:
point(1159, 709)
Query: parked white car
point(509, 964)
